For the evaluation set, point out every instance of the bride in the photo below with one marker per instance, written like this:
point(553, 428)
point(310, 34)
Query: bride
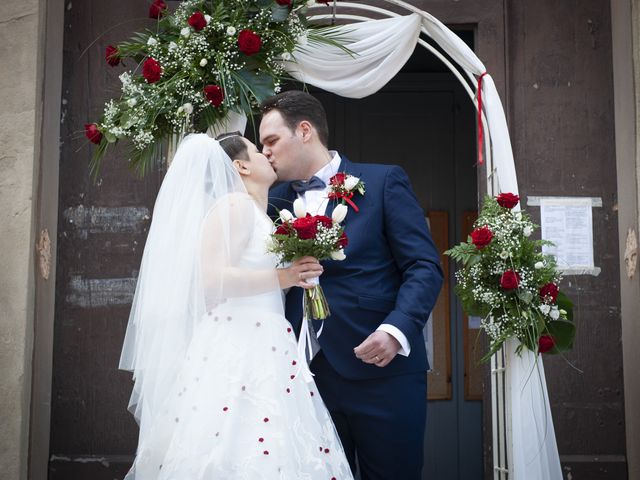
point(220, 392)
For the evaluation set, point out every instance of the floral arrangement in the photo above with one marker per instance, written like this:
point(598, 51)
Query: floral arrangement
point(507, 282)
point(315, 236)
point(197, 65)
point(342, 186)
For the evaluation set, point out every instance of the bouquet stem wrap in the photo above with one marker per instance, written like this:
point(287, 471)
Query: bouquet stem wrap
point(315, 305)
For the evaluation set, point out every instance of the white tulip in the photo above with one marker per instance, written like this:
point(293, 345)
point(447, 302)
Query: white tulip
point(299, 208)
point(187, 108)
point(350, 182)
point(539, 265)
point(132, 102)
point(203, 62)
point(231, 31)
point(339, 213)
point(207, 18)
point(527, 231)
point(185, 32)
point(544, 309)
point(554, 314)
point(151, 41)
point(338, 255)
point(286, 215)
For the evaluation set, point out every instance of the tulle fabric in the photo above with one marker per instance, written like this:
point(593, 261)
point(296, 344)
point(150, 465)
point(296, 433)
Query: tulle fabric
point(217, 390)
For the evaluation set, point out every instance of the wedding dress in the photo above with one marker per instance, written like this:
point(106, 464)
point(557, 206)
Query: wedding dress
point(220, 392)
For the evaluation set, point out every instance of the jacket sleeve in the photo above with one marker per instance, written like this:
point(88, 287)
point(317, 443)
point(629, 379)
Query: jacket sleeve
point(414, 253)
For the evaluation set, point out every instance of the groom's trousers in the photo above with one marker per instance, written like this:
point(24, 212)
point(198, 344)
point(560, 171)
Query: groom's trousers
point(380, 420)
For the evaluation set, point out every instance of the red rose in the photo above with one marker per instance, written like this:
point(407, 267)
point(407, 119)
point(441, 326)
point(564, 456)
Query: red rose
point(481, 237)
point(323, 220)
point(151, 70)
point(508, 200)
point(306, 227)
point(249, 42)
point(214, 94)
point(510, 280)
point(282, 229)
point(545, 343)
point(549, 292)
point(111, 56)
point(157, 9)
point(283, 2)
point(338, 179)
point(197, 21)
point(343, 241)
point(93, 133)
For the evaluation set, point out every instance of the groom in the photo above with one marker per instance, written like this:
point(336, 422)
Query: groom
point(371, 369)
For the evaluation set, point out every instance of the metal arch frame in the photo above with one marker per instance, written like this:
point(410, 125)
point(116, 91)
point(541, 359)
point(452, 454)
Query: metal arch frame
point(501, 427)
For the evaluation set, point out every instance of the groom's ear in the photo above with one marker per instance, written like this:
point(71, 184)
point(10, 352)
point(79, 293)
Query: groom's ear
point(306, 130)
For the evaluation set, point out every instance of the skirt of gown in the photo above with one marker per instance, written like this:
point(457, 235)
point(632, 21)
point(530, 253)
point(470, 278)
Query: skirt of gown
point(241, 409)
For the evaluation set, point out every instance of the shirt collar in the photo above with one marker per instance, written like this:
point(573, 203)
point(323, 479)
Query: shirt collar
point(330, 169)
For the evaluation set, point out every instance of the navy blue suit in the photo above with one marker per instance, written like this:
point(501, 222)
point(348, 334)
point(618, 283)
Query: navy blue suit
point(391, 275)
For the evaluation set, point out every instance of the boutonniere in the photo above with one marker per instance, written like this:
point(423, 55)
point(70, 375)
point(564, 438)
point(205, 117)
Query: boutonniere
point(342, 186)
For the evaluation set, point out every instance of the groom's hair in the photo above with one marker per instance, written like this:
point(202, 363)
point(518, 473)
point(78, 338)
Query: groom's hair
point(233, 145)
point(296, 106)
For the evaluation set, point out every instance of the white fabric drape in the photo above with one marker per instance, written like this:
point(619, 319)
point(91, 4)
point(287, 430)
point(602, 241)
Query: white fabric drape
point(381, 48)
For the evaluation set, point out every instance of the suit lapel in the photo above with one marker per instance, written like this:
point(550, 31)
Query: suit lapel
point(344, 164)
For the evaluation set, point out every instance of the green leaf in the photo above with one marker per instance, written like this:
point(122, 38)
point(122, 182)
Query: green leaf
point(564, 303)
point(563, 333)
point(259, 84)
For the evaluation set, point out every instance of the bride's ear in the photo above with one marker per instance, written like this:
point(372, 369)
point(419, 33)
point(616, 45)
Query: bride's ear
point(241, 167)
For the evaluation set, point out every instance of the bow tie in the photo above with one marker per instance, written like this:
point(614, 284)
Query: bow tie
point(314, 183)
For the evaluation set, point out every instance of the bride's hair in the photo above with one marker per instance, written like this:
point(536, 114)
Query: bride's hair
point(233, 145)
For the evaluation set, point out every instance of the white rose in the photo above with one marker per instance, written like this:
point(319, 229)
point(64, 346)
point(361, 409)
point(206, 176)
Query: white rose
point(172, 46)
point(187, 108)
point(207, 18)
point(544, 309)
point(203, 62)
point(527, 231)
point(286, 56)
point(350, 182)
point(132, 102)
point(338, 255)
point(151, 41)
point(339, 213)
point(311, 3)
point(302, 40)
point(518, 216)
point(539, 265)
point(299, 208)
point(286, 215)
point(231, 31)
point(185, 32)
point(554, 314)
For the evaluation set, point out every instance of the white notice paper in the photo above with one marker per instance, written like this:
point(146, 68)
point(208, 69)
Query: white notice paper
point(567, 222)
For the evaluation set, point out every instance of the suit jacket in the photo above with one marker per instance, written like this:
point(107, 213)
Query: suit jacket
point(391, 274)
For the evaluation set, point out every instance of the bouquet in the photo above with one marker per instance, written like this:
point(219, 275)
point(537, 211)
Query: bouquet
point(315, 236)
point(198, 65)
point(507, 282)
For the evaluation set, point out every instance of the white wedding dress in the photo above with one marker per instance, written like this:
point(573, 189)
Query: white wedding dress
point(238, 405)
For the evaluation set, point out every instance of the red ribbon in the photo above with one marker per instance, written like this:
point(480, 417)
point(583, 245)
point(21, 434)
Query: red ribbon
point(480, 129)
point(346, 197)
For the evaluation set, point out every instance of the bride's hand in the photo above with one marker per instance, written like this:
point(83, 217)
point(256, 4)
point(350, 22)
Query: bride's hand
point(299, 272)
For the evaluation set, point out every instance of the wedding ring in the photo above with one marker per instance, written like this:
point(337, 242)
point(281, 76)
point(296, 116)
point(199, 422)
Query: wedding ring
point(376, 358)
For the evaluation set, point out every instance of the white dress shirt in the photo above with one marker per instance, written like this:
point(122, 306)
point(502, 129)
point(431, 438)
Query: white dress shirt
point(316, 202)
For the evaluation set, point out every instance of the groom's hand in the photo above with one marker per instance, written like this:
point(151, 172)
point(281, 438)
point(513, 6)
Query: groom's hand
point(378, 349)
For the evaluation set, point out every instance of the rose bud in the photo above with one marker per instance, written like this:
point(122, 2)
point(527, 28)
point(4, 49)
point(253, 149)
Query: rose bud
point(545, 343)
point(339, 213)
point(214, 94)
point(93, 133)
point(197, 21)
point(549, 292)
point(481, 237)
point(157, 9)
point(299, 209)
point(249, 42)
point(111, 56)
point(151, 70)
point(510, 280)
point(508, 200)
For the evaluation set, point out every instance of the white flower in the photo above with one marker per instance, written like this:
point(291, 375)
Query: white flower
point(527, 231)
point(172, 46)
point(504, 254)
point(185, 32)
point(311, 3)
point(544, 309)
point(187, 108)
point(554, 314)
point(339, 213)
point(152, 41)
point(286, 215)
point(350, 182)
point(203, 62)
point(286, 56)
point(132, 102)
point(231, 31)
point(518, 216)
point(125, 78)
point(207, 18)
point(302, 40)
point(539, 265)
point(299, 208)
point(338, 255)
